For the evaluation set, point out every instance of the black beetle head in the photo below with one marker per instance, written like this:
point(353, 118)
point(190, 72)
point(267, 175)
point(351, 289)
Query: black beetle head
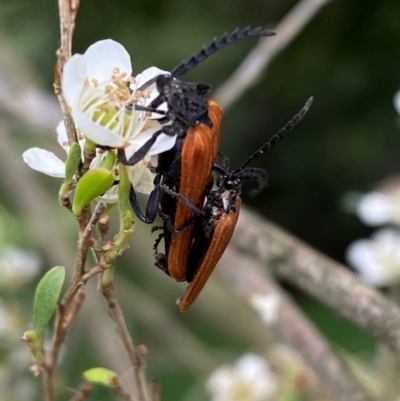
point(163, 82)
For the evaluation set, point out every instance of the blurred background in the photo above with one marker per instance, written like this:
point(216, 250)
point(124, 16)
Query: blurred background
point(348, 58)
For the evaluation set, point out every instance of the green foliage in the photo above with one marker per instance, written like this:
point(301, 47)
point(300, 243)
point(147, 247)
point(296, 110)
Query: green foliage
point(100, 375)
point(72, 162)
point(46, 297)
point(108, 161)
point(93, 184)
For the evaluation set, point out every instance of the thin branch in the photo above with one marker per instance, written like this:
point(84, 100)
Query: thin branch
point(293, 327)
point(68, 10)
point(47, 381)
point(74, 309)
point(73, 299)
point(137, 355)
point(154, 391)
point(84, 391)
point(85, 241)
point(319, 276)
point(261, 56)
point(119, 389)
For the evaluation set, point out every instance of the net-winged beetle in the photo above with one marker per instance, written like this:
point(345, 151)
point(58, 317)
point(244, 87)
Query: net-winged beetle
point(215, 223)
point(185, 168)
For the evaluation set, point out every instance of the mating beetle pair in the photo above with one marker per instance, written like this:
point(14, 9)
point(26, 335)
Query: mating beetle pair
point(186, 168)
point(198, 220)
point(214, 224)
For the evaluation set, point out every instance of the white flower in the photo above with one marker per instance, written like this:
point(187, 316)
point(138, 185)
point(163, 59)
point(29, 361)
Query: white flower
point(17, 266)
point(249, 380)
point(48, 163)
point(101, 94)
point(377, 260)
point(267, 306)
point(377, 208)
point(396, 101)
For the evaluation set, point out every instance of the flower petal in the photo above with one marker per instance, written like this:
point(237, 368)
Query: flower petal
point(62, 136)
point(141, 178)
point(97, 133)
point(44, 161)
point(162, 144)
point(103, 57)
point(147, 75)
point(73, 79)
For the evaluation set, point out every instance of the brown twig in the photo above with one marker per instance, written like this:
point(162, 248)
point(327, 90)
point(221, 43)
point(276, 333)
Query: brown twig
point(84, 391)
point(137, 356)
point(154, 391)
point(68, 10)
point(119, 389)
point(74, 308)
point(72, 300)
point(85, 242)
point(293, 327)
point(321, 277)
point(261, 56)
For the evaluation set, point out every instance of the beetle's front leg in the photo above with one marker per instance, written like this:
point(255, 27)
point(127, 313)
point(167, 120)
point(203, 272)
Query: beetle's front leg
point(152, 205)
point(142, 152)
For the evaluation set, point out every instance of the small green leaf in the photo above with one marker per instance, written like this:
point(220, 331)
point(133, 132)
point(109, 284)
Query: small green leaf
point(109, 161)
point(100, 375)
point(93, 184)
point(34, 343)
point(46, 297)
point(72, 163)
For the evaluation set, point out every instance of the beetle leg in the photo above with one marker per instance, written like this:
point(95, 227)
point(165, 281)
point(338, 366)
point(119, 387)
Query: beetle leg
point(157, 242)
point(140, 153)
point(156, 228)
point(151, 109)
point(152, 205)
point(162, 262)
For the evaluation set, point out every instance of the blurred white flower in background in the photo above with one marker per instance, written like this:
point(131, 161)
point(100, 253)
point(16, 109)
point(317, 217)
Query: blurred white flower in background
point(9, 322)
point(396, 102)
point(17, 266)
point(378, 208)
point(267, 307)
point(250, 379)
point(377, 260)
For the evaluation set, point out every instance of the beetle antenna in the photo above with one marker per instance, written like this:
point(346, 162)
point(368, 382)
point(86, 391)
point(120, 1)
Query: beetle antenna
point(218, 44)
point(181, 198)
point(280, 134)
point(256, 174)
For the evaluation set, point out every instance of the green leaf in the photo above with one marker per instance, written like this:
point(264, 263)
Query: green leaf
point(93, 184)
point(100, 375)
point(46, 297)
point(109, 161)
point(34, 343)
point(72, 163)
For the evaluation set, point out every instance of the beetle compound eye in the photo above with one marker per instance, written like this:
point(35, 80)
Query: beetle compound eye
point(163, 81)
